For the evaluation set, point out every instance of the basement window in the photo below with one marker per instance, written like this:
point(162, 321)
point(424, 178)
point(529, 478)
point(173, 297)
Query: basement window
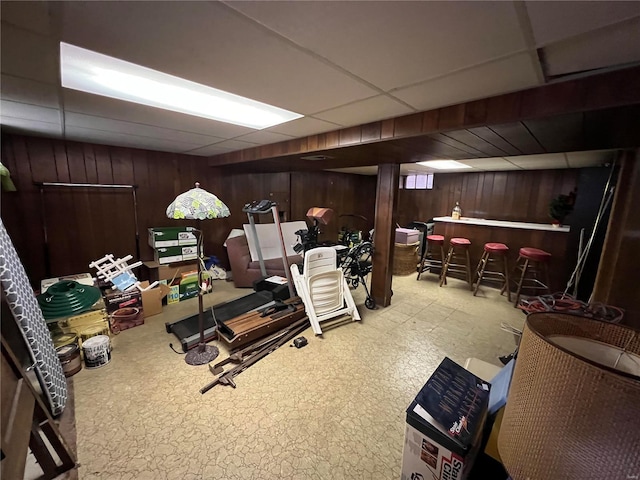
point(419, 182)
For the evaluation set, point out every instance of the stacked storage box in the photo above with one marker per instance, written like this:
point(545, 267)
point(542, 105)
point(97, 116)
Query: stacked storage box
point(173, 244)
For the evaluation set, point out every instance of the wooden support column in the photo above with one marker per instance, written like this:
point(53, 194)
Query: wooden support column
point(617, 277)
point(384, 233)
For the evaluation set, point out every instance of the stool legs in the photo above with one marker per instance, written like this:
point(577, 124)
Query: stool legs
point(447, 264)
point(445, 267)
point(480, 271)
point(427, 257)
point(526, 266)
point(482, 264)
point(469, 277)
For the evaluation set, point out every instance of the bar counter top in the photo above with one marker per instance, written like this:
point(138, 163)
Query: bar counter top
point(504, 224)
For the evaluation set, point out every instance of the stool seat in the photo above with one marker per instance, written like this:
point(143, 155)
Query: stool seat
point(460, 242)
point(495, 248)
point(437, 239)
point(535, 254)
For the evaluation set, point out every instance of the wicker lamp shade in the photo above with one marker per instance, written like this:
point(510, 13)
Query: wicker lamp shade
point(573, 407)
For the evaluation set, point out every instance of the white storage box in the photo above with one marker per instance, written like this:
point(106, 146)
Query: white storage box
point(407, 236)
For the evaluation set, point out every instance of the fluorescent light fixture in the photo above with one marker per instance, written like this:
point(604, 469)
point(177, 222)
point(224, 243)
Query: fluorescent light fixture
point(444, 164)
point(99, 74)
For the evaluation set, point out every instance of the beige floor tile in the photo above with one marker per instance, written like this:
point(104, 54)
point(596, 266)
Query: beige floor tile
point(331, 410)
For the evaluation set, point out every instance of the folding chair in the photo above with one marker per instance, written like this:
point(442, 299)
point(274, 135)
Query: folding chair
point(323, 288)
point(118, 272)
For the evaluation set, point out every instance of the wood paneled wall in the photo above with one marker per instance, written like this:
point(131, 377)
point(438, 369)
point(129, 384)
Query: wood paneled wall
point(83, 223)
point(617, 280)
point(345, 194)
point(521, 196)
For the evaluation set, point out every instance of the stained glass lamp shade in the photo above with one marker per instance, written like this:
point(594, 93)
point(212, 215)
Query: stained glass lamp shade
point(197, 204)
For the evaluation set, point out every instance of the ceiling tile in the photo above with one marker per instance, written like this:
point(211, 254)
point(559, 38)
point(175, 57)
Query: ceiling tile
point(29, 112)
point(29, 91)
point(263, 137)
point(365, 111)
point(595, 158)
point(234, 144)
point(28, 55)
point(81, 134)
point(490, 164)
point(32, 16)
point(79, 102)
point(119, 126)
point(31, 127)
point(398, 35)
point(536, 162)
point(506, 75)
point(610, 46)
point(211, 44)
point(209, 150)
point(553, 21)
point(304, 126)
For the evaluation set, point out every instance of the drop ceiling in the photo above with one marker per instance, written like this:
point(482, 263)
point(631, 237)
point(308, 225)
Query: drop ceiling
point(339, 64)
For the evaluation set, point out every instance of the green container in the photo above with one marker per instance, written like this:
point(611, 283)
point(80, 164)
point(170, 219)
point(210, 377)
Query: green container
point(189, 287)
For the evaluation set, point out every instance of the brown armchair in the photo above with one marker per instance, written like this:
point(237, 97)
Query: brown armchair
point(245, 271)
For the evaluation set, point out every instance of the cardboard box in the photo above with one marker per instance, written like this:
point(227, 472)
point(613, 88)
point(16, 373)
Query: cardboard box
point(125, 309)
point(152, 299)
point(445, 424)
point(171, 236)
point(407, 236)
point(81, 324)
point(174, 294)
point(158, 272)
point(164, 255)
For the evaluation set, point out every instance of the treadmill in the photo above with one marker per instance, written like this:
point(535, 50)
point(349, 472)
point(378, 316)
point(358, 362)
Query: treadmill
point(266, 293)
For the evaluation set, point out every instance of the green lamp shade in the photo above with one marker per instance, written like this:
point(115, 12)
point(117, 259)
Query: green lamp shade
point(67, 298)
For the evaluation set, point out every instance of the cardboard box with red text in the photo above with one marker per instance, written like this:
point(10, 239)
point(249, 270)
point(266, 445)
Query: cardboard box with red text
point(445, 424)
point(124, 308)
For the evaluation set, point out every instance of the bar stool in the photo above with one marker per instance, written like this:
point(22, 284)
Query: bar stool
point(428, 260)
point(457, 244)
point(499, 251)
point(533, 263)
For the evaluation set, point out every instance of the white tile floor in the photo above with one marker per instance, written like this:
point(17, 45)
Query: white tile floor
point(334, 409)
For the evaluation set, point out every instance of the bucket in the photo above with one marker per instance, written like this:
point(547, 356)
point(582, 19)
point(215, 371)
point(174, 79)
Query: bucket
point(97, 351)
point(65, 339)
point(69, 356)
point(94, 331)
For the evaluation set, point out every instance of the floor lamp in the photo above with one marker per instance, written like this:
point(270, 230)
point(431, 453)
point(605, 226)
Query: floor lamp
point(198, 204)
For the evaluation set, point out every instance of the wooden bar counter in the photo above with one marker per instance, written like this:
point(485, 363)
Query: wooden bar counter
point(514, 235)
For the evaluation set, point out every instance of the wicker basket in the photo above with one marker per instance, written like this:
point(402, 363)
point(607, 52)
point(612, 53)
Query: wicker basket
point(572, 410)
point(405, 258)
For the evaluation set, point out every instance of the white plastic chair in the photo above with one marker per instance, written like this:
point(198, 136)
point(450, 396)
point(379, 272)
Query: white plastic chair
point(323, 288)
